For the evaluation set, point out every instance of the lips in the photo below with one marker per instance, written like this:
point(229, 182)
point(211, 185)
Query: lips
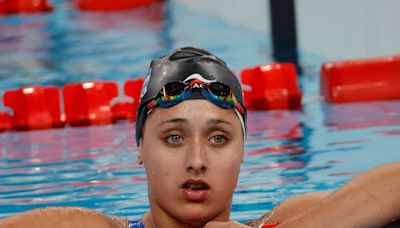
point(195, 190)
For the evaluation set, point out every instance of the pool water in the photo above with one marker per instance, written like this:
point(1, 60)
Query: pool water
point(287, 152)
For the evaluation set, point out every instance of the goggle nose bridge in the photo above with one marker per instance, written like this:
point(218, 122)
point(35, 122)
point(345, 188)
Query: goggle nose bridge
point(196, 84)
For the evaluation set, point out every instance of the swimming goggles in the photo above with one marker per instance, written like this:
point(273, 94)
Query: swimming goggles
point(175, 92)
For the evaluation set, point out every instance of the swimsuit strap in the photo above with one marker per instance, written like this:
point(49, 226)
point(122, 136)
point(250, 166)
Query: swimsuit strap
point(139, 224)
point(136, 223)
point(270, 225)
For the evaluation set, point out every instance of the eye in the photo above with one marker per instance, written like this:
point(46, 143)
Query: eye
point(174, 139)
point(218, 139)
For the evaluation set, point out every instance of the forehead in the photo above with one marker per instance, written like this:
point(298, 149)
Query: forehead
point(193, 110)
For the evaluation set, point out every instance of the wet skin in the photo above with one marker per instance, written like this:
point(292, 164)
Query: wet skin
point(192, 154)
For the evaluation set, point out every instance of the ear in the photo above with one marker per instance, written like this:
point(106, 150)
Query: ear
point(139, 155)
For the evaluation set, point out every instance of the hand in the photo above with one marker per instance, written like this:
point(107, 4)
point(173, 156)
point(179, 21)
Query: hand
point(229, 224)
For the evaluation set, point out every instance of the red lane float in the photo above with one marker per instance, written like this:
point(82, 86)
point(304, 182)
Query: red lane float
point(271, 86)
point(88, 103)
point(125, 110)
point(112, 5)
point(132, 88)
point(27, 6)
point(361, 80)
point(6, 122)
point(35, 107)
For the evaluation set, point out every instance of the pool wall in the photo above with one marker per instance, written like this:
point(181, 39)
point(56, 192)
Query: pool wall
point(335, 30)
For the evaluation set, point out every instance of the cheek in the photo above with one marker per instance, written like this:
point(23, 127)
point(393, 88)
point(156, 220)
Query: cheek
point(158, 165)
point(227, 168)
point(225, 178)
point(160, 179)
point(161, 167)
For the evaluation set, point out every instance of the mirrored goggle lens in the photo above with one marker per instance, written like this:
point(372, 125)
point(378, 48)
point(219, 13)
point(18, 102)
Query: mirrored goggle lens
point(177, 88)
point(219, 89)
point(173, 89)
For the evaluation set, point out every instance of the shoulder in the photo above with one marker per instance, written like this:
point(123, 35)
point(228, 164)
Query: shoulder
point(63, 216)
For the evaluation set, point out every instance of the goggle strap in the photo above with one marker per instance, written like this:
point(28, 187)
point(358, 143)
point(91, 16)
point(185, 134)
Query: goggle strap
point(163, 89)
point(242, 123)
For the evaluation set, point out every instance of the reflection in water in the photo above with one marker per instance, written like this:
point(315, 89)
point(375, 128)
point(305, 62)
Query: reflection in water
point(69, 166)
point(362, 114)
point(23, 51)
point(69, 46)
point(107, 45)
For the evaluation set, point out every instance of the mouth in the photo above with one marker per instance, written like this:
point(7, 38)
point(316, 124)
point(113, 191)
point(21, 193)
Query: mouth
point(195, 190)
point(195, 185)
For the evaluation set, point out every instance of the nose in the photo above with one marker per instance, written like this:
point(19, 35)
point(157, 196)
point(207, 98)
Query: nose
point(197, 159)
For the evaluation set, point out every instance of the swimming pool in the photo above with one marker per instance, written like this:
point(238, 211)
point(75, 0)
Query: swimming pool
point(287, 152)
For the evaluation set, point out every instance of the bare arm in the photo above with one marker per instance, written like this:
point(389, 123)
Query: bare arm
point(290, 208)
point(370, 200)
point(63, 217)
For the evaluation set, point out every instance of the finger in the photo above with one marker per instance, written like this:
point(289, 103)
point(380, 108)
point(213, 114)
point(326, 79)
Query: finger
point(214, 224)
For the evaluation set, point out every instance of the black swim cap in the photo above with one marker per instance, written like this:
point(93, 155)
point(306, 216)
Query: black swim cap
point(179, 65)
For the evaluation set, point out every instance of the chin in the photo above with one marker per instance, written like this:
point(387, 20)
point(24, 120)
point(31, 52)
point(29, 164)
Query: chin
point(196, 219)
point(198, 215)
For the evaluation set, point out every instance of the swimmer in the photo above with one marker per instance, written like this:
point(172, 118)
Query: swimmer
point(190, 132)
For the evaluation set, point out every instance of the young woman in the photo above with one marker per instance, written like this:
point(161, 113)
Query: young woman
point(190, 131)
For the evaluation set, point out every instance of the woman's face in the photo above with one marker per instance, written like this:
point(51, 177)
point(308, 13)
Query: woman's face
point(192, 154)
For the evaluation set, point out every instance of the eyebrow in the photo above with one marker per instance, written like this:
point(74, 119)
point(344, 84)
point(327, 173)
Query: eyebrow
point(185, 121)
point(175, 120)
point(218, 121)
